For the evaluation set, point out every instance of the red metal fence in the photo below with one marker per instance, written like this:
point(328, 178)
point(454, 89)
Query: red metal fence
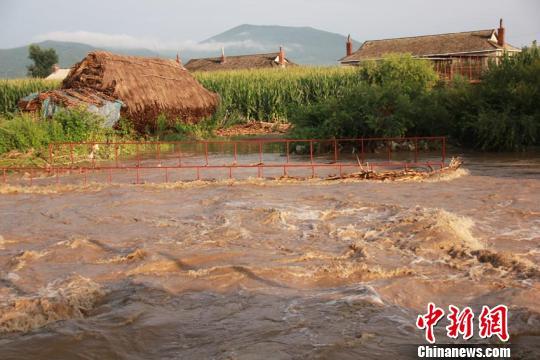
point(138, 162)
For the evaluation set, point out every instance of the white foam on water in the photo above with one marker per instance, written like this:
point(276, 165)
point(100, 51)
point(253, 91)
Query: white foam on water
point(461, 226)
point(73, 297)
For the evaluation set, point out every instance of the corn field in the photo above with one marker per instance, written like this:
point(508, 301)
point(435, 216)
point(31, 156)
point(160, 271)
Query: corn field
point(264, 94)
point(12, 90)
point(267, 94)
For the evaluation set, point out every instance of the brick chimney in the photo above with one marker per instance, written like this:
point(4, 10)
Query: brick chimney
point(223, 58)
point(281, 56)
point(500, 34)
point(349, 45)
point(55, 68)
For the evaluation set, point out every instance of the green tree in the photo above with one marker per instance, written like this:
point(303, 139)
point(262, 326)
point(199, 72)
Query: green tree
point(43, 59)
point(502, 112)
point(383, 103)
point(403, 71)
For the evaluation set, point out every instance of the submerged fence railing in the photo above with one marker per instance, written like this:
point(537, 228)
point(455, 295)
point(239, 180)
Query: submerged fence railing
point(167, 161)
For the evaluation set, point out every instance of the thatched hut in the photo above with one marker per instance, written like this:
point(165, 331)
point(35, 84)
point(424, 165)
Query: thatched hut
point(147, 87)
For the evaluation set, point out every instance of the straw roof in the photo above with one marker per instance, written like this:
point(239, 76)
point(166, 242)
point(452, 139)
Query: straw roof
point(254, 61)
point(147, 87)
point(430, 45)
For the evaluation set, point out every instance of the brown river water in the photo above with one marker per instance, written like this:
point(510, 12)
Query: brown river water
point(259, 270)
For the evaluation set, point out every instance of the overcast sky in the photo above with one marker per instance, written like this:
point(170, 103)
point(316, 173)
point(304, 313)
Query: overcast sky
point(168, 24)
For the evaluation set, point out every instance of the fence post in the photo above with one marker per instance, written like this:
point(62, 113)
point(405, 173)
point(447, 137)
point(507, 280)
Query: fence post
point(415, 150)
point(180, 154)
point(138, 155)
point(362, 150)
point(51, 154)
point(335, 151)
point(444, 149)
point(206, 152)
point(311, 151)
point(71, 154)
point(93, 155)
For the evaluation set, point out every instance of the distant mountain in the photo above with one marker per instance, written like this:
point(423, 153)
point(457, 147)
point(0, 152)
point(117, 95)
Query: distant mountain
point(303, 45)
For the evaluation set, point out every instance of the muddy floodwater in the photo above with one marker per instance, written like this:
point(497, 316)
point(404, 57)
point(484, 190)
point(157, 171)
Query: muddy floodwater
point(266, 270)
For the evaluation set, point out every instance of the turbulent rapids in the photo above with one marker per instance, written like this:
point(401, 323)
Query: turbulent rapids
point(293, 269)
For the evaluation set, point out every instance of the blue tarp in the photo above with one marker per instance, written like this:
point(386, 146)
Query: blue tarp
point(110, 111)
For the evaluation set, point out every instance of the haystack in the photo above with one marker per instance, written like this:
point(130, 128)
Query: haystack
point(147, 87)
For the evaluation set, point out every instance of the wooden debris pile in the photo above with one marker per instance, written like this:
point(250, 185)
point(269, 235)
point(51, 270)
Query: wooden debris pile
point(408, 174)
point(254, 128)
point(391, 175)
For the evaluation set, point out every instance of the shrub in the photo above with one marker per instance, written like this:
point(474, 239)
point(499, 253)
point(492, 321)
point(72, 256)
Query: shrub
point(381, 104)
point(410, 75)
point(26, 131)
